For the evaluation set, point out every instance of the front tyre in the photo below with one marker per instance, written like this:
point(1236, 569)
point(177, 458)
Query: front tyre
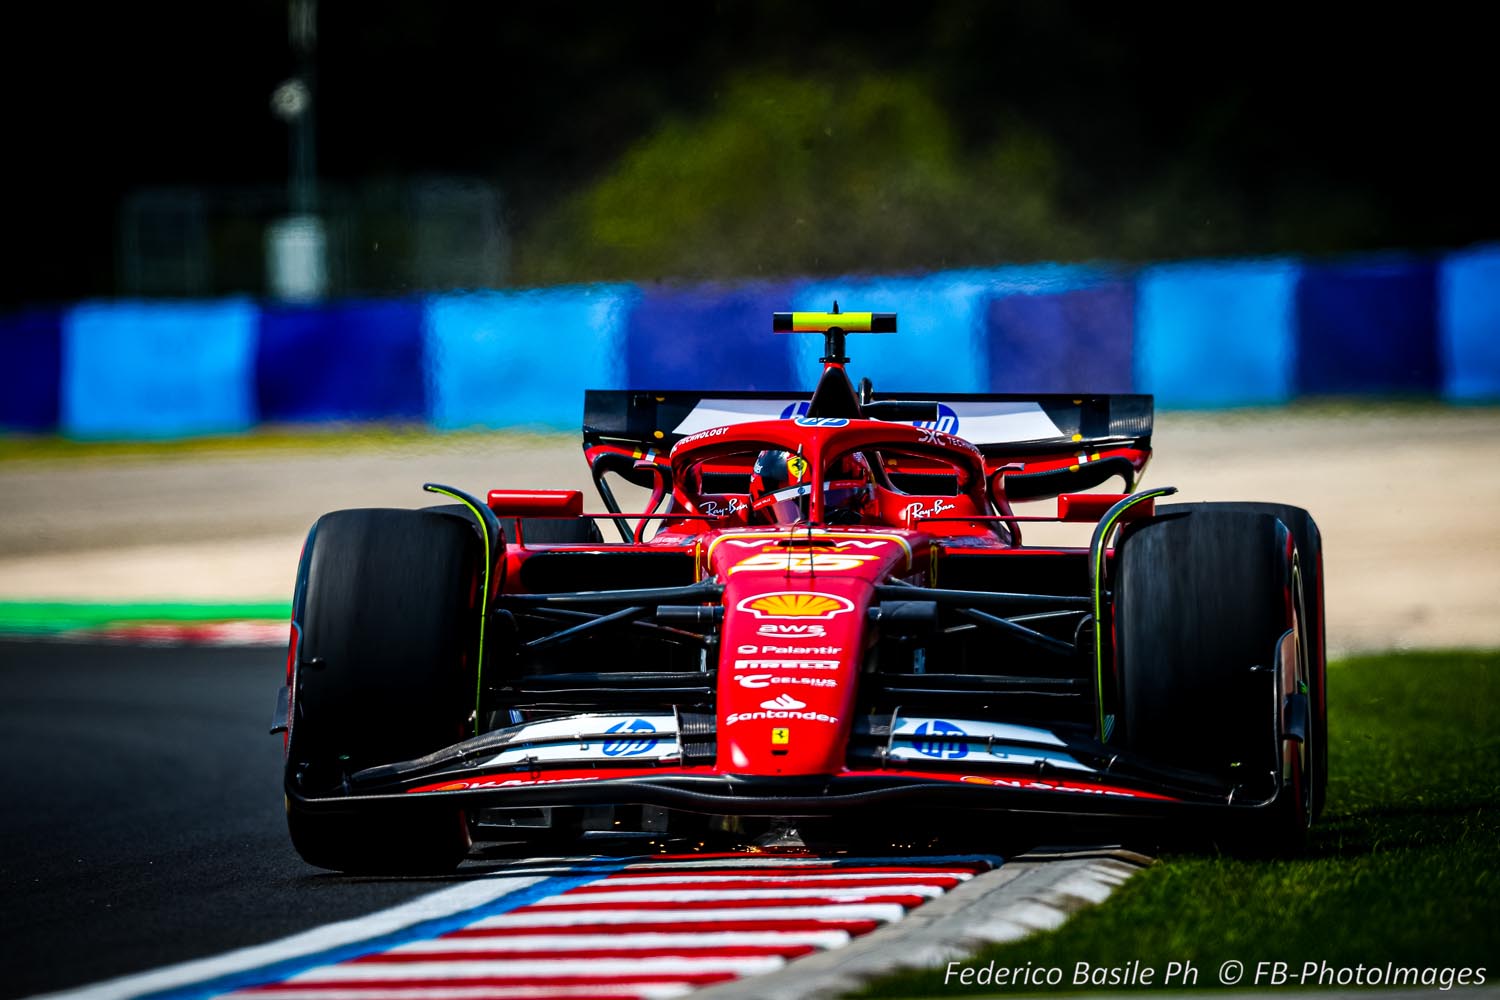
point(1314, 639)
point(388, 603)
point(1208, 612)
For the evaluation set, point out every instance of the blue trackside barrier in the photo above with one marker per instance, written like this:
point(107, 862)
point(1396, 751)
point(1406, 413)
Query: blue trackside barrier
point(31, 349)
point(939, 344)
point(1079, 340)
point(1196, 334)
point(708, 337)
point(943, 343)
point(1469, 325)
point(341, 361)
point(155, 370)
point(1216, 334)
point(1367, 326)
point(504, 359)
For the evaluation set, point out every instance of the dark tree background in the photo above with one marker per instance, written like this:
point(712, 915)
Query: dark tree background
point(733, 138)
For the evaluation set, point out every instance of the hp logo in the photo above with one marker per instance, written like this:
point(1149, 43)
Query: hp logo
point(633, 746)
point(941, 739)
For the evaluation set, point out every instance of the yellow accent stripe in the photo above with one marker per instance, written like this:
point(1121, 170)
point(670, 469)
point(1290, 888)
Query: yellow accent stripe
point(1109, 526)
point(808, 322)
point(484, 599)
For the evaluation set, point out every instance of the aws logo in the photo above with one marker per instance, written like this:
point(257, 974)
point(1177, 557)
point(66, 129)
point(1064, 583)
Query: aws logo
point(792, 631)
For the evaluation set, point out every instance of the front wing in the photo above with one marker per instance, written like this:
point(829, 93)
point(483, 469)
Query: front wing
point(609, 759)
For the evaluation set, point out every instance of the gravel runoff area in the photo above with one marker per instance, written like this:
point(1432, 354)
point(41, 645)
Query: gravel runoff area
point(1408, 499)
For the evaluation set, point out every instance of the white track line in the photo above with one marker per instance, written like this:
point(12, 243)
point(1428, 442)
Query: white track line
point(833, 865)
point(837, 882)
point(642, 991)
point(841, 894)
point(881, 912)
point(645, 968)
point(851, 877)
point(664, 939)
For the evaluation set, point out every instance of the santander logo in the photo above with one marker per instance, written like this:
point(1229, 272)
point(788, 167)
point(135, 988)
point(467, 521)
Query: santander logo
point(783, 703)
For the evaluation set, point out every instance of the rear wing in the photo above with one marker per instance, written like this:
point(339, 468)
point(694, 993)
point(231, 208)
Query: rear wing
point(1058, 443)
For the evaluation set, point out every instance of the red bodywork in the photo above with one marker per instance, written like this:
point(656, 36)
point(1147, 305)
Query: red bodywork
point(895, 643)
point(796, 599)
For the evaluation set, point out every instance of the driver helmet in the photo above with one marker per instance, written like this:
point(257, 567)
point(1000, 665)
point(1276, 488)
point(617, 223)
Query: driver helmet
point(780, 489)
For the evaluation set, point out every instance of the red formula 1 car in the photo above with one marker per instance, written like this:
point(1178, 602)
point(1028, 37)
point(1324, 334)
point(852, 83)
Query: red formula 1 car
point(826, 617)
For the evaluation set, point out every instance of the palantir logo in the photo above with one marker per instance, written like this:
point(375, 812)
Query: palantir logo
point(946, 422)
point(940, 741)
point(632, 747)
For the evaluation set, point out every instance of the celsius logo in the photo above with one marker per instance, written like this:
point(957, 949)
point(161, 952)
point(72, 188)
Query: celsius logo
point(783, 703)
point(941, 739)
point(766, 680)
point(795, 410)
point(633, 746)
point(946, 422)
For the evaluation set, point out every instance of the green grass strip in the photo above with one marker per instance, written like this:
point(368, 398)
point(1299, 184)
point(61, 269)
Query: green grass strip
point(48, 617)
point(1404, 867)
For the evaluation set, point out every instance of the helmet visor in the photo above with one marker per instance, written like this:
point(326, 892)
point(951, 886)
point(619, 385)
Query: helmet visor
point(787, 506)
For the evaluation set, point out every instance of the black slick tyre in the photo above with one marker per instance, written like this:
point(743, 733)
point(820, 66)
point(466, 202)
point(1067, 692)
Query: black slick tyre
point(388, 605)
point(1206, 609)
point(1309, 542)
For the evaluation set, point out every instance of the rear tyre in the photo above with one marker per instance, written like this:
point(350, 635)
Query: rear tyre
point(1314, 641)
point(388, 602)
point(1203, 604)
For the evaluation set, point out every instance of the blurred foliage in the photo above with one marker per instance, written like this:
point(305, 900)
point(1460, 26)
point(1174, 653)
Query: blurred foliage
point(665, 138)
point(807, 175)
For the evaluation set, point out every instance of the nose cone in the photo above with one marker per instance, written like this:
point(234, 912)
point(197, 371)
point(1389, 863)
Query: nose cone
point(787, 673)
point(793, 639)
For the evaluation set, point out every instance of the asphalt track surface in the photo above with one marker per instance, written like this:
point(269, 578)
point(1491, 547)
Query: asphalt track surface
point(143, 828)
point(143, 821)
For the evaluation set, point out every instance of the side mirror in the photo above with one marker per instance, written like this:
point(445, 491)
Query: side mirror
point(1090, 507)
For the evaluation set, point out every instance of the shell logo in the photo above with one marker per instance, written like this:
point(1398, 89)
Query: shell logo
point(810, 604)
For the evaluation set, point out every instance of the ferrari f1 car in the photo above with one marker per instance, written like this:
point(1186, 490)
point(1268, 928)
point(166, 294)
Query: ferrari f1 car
point(824, 615)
